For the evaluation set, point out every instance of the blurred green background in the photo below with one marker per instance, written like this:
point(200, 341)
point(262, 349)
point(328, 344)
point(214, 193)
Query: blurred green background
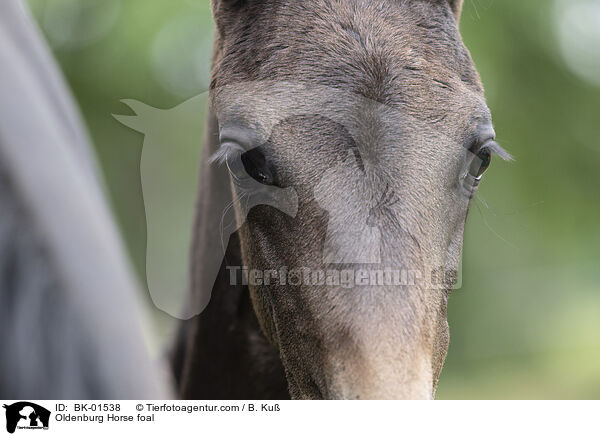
point(526, 322)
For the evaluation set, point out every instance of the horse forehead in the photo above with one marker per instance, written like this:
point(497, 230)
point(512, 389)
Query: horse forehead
point(399, 63)
point(387, 50)
point(266, 105)
point(382, 24)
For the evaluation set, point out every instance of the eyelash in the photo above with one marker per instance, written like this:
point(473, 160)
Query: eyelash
point(227, 150)
point(493, 148)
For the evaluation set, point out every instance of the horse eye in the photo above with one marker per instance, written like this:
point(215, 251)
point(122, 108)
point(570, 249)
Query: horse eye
point(481, 163)
point(257, 167)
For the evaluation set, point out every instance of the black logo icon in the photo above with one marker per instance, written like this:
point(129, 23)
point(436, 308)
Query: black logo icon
point(25, 415)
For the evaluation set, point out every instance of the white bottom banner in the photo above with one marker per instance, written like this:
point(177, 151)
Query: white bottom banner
point(299, 417)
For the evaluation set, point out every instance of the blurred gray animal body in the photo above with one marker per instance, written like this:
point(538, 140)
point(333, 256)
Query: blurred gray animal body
point(69, 318)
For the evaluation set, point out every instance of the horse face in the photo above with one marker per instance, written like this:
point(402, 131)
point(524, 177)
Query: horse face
point(373, 115)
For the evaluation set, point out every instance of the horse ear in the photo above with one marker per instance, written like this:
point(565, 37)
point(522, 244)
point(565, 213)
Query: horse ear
point(456, 6)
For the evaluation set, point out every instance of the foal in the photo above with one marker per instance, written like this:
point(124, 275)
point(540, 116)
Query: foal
point(372, 113)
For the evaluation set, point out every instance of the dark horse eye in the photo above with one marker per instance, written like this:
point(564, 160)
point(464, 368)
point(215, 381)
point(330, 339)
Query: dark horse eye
point(481, 163)
point(257, 167)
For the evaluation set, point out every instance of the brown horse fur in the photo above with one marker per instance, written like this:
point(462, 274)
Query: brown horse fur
point(405, 96)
